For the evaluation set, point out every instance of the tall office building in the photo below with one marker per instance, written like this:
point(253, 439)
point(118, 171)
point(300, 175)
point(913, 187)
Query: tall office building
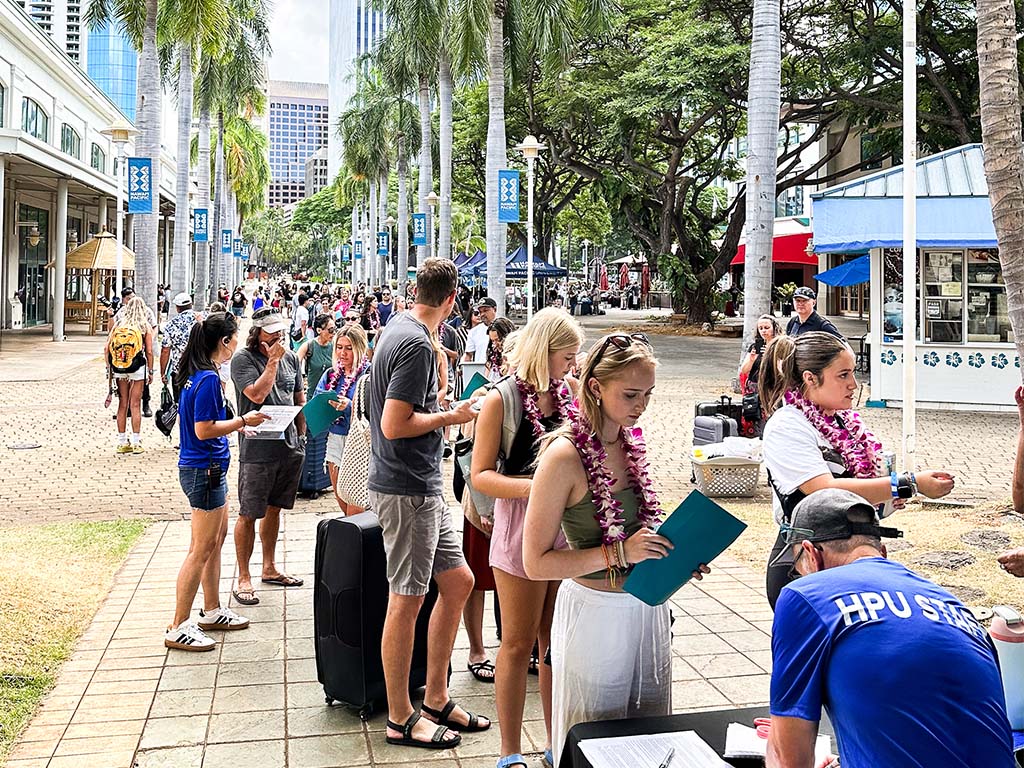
point(297, 125)
point(355, 29)
point(105, 54)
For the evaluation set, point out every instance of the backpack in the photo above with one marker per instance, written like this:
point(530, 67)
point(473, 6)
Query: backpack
point(125, 349)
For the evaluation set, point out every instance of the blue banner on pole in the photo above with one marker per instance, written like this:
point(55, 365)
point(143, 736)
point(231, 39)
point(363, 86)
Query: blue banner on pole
point(225, 241)
point(359, 249)
point(246, 251)
point(140, 185)
point(419, 229)
point(201, 225)
point(383, 243)
point(236, 247)
point(346, 254)
point(508, 196)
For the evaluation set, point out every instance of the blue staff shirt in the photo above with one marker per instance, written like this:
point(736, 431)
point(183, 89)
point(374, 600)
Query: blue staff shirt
point(202, 399)
point(907, 674)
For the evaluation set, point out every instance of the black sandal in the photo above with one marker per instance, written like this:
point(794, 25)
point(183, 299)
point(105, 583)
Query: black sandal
point(444, 714)
point(437, 741)
point(477, 668)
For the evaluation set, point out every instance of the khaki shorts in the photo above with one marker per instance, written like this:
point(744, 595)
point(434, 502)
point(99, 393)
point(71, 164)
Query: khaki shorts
point(419, 540)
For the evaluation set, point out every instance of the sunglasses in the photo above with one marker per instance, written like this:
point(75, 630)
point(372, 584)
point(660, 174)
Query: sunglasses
point(621, 342)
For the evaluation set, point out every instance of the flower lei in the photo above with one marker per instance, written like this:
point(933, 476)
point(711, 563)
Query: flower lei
point(853, 441)
point(335, 374)
point(609, 513)
point(559, 394)
point(494, 357)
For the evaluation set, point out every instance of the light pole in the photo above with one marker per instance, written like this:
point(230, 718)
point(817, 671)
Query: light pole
point(432, 201)
point(530, 148)
point(390, 221)
point(586, 253)
point(119, 132)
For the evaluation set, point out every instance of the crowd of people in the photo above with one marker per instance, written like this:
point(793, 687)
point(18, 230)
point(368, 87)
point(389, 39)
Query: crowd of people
point(560, 504)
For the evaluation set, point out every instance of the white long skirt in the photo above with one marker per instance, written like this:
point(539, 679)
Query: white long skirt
point(611, 658)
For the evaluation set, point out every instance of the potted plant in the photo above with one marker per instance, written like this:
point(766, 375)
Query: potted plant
point(786, 292)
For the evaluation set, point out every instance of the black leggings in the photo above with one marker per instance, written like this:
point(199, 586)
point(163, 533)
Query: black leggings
point(778, 575)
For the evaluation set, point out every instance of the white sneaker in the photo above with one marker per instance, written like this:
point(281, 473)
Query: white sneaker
point(188, 637)
point(221, 618)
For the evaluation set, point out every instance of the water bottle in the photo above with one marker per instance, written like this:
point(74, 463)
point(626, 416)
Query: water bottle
point(1007, 632)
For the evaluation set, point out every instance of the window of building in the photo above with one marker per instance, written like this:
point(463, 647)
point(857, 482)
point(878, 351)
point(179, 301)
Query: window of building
point(34, 121)
point(871, 149)
point(98, 159)
point(790, 202)
point(70, 141)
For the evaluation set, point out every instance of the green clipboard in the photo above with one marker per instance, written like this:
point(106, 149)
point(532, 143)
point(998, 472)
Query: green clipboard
point(700, 531)
point(320, 414)
point(478, 380)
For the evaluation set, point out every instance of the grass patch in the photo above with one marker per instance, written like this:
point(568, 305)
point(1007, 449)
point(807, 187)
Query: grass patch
point(54, 578)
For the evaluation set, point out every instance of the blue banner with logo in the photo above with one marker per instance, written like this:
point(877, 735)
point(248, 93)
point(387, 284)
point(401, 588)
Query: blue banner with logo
point(359, 249)
point(383, 243)
point(236, 247)
point(201, 225)
point(246, 251)
point(140, 185)
point(225, 241)
point(419, 229)
point(508, 196)
point(346, 254)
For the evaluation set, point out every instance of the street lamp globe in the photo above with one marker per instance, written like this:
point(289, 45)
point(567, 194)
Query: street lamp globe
point(433, 199)
point(530, 147)
point(390, 221)
point(120, 131)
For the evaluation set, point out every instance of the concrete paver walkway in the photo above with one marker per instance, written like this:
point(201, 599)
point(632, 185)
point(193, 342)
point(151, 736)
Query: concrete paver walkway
point(124, 700)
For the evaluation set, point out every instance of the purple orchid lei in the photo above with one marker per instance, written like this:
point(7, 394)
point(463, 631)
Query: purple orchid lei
point(559, 394)
point(335, 375)
point(609, 513)
point(853, 441)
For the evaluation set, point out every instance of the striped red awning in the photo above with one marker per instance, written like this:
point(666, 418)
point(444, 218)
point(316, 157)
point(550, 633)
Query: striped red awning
point(786, 249)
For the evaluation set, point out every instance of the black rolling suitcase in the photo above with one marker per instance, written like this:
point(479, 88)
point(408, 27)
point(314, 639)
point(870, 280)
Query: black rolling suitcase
point(350, 600)
point(314, 479)
point(723, 406)
point(714, 429)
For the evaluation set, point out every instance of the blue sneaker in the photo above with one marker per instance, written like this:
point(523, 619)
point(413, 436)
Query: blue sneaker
point(509, 760)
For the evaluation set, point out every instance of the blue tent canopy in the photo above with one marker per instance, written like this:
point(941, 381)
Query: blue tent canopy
point(849, 273)
point(516, 266)
point(477, 260)
point(463, 258)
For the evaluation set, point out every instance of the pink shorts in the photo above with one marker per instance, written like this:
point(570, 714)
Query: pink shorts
point(507, 537)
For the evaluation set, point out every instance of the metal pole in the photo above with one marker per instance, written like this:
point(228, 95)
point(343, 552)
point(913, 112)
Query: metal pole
point(910, 308)
point(529, 239)
point(433, 233)
point(119, 282)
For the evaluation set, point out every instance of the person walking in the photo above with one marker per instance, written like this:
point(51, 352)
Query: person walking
point(516, 414)
point(266, 373)
point(239, 302)
point(813, 438)
point(130, 360)
point(476, 343)
point(369, 318)
point(203, 474)
point(807, 319)
point(349, 363)
point(386, 305)
point(177, 332)
point(406, 491)
point(611, 654)
point(301, 321)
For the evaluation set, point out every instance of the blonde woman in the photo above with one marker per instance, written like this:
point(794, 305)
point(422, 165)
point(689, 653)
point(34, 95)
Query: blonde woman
point(610, 652)
point(541, 354)
point(349, 363)
point(130, 361)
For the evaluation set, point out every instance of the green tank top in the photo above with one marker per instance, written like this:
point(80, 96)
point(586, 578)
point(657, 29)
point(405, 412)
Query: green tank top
point(318, 361)
point(582, 531)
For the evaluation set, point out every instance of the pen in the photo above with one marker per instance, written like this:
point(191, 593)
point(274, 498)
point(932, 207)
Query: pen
point(668, 758)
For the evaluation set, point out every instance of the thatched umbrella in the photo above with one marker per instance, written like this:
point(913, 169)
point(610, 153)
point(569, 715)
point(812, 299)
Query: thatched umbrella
point(97, 259)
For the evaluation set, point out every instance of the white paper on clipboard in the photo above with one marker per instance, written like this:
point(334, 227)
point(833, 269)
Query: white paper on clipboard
point(281, 416)
point(691, 751)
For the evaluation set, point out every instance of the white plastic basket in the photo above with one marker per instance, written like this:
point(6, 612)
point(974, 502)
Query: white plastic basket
point(724, 476)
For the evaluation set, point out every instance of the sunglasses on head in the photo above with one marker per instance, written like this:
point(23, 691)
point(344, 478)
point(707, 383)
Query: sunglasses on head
point(622, 342)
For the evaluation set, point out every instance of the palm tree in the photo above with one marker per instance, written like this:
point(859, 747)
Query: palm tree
point(762, 158)
point(1004, 155)
point(195, 29)
point(138, 18)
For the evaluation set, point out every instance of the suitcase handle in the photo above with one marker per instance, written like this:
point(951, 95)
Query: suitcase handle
point(349, 605)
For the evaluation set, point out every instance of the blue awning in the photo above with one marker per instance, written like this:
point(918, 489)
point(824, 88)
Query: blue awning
point(852, 272)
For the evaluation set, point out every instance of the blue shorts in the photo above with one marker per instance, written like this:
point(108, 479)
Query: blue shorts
point(195, 482)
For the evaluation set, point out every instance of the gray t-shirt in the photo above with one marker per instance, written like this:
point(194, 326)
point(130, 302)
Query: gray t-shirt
point(404, 368)
point(246, 368)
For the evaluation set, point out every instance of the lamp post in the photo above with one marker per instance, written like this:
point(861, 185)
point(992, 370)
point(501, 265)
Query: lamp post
point(432, 201)
point(530, 148)
point(119, 132)
point(390, 221)
point(586, 253)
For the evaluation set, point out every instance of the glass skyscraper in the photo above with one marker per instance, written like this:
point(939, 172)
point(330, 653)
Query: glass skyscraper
point(297, 125)
point(112, 63)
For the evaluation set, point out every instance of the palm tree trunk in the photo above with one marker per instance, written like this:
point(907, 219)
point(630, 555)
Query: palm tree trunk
point(426, 164)
point(371, 256)
point(355, 236)
point(202, 281)
point(217, 270)
point(762, 133)
point(1001, 138)
point(444, 89)
point(497, 159)
point(382, 216)
point(148, 145)
point(403, 217)
point(182, 246)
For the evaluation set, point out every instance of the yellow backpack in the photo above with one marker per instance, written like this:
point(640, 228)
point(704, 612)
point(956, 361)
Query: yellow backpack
point(125, 349)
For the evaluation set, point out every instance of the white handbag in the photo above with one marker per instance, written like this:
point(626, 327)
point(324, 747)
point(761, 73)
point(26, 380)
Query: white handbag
point(354, 472)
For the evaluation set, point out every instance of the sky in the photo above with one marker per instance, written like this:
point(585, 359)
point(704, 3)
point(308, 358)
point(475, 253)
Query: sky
point(298, 37)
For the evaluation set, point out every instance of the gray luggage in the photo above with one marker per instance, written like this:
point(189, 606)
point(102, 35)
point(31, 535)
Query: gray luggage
point(713, 429)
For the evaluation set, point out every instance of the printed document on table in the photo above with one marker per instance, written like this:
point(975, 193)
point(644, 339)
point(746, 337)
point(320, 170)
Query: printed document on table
point(743, 741)
point(691, 751)
point(280, 417)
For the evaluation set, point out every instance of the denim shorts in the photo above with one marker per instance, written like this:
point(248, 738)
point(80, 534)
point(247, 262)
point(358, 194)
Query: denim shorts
point(195, 482)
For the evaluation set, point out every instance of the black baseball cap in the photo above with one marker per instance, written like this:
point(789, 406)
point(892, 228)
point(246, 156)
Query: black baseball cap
point(831, 514)
point(487, 301)
point(803, 292)
point(127, 291)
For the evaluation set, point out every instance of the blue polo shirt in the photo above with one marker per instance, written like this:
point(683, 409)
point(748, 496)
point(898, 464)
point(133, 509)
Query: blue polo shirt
point(202, 399)
point(908, 676)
